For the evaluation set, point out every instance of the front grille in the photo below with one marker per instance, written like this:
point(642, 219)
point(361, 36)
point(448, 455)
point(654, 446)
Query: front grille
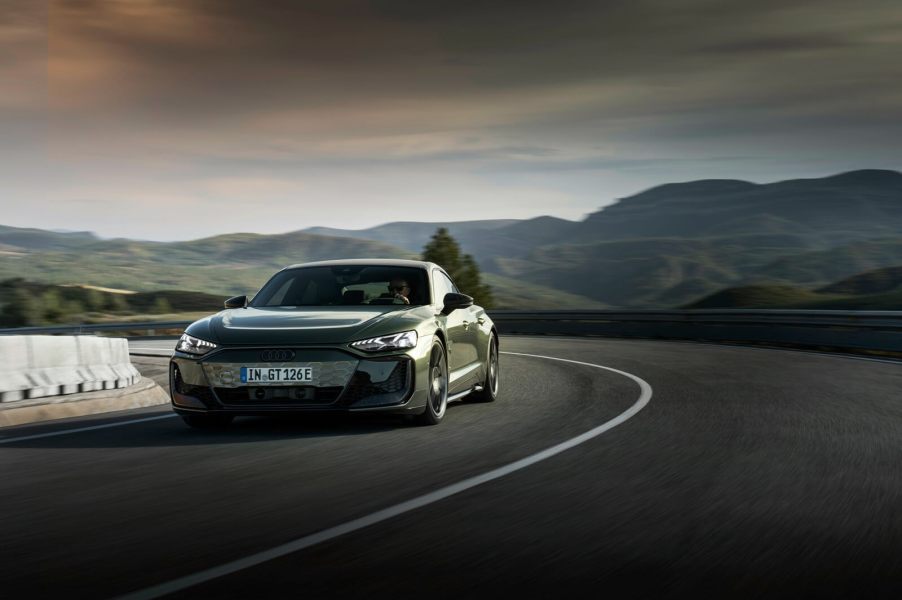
point(278, 396)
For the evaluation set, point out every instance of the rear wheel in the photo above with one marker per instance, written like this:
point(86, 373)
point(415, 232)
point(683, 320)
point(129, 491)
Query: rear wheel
point(207, 421)
point(492, 373)
point(437, 393)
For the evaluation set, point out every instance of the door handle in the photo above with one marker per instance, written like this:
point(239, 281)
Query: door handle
point(466, 325)
point(481, 320)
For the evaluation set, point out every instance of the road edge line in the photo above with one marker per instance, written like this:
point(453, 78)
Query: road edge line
point(47, 434)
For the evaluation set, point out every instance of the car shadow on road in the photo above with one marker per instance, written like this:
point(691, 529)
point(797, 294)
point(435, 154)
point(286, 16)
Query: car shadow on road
point(169, 432)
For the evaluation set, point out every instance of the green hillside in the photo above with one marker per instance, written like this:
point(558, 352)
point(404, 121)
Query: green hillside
point(226, 265)
point(678, 242)
point(787, 297)
point(18, 239)
point(668, 246)
point(762, 296)
point(828, 211)
point(880, 289)
point(512, 293)
point(645, 272)
point(878, 281)
point(819, 268)
point(220, 266)
point(24, 303)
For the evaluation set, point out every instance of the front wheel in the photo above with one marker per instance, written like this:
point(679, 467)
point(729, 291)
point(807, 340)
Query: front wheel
point(437, 393)
point(489, 391)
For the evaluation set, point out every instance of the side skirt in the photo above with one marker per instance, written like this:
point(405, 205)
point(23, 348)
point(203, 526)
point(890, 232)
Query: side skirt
point(460, 395)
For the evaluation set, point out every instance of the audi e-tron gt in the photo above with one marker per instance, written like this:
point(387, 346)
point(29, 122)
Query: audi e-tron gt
point(391, 336)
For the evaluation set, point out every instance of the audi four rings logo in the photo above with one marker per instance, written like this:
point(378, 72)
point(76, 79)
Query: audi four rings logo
point(277, 355)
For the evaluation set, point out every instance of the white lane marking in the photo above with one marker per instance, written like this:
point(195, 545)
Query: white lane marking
point(80, 429)
point(307, 541)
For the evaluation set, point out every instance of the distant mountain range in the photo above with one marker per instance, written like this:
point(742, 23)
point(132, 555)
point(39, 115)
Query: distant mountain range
point(411, 235)
point(675, 243)
point(668, 246)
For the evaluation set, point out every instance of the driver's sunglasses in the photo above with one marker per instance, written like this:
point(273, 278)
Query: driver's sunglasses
point(398, 288)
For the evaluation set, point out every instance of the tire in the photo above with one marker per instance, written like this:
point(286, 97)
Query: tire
point(207, 421)
point(437, 391)
point(490, 384)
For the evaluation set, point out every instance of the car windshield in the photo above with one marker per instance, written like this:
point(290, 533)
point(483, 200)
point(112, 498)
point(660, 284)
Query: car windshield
point(345, 285)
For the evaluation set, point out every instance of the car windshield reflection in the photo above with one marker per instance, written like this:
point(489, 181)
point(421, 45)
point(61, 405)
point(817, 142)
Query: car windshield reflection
point(346, 285)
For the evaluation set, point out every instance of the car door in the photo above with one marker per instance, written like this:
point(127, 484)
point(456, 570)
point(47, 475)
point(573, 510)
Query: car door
point(462, 331)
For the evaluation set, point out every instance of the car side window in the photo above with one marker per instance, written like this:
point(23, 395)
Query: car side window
point(443, 286)
point(451, 286)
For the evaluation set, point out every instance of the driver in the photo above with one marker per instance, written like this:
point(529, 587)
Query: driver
point(399, 289)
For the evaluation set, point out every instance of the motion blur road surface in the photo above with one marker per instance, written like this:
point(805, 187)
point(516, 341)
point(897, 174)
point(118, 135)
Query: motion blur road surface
point(752, 473)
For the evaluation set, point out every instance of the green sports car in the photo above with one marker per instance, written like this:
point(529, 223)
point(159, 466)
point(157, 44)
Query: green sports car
point(346, 335)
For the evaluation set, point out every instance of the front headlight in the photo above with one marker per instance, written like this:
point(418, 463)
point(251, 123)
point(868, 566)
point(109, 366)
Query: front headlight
point(193, 345)
point(395, 341)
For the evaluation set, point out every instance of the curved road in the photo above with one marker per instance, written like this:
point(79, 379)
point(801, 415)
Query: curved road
point(750, 473)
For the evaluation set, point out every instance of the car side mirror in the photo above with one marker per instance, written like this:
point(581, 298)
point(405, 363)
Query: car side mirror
point(236, 302)
point(454, 301)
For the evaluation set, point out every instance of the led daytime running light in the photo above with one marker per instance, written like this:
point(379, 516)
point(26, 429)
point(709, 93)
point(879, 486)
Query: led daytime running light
point(192, 345)
point(395, 341)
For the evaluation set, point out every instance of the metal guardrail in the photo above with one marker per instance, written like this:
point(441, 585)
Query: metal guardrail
point(829, 329)
point(816, 318)
point(868, 331)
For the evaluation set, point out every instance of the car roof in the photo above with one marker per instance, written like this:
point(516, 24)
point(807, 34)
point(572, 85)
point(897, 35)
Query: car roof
point(369, 262)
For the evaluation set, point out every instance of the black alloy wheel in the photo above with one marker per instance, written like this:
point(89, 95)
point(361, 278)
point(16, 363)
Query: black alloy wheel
point(489, 391)
point(437, 394)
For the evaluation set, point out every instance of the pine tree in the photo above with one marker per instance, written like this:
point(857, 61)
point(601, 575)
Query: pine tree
point(469, 278)
point(444, 251)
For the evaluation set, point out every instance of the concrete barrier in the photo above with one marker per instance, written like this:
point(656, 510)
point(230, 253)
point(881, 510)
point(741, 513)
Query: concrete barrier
point(145, 392)
point(37, 366)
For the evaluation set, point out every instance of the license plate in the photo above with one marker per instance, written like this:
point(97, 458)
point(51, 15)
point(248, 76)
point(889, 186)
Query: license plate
point(276, 375)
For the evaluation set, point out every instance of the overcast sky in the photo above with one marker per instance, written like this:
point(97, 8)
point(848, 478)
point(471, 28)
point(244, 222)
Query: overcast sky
point(176, 119)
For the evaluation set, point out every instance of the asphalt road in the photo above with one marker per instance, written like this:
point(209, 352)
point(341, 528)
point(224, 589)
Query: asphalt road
point(750, 473)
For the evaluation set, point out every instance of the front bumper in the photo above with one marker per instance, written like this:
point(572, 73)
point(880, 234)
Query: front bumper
point(343, 382)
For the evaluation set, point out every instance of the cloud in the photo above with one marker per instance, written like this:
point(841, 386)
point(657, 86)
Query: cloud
point(607, 163)
point(320, 67)
point(582, 98)
point(781, 45)
point(23, 78)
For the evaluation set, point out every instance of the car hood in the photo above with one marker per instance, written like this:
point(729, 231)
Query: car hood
point(292, 325)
